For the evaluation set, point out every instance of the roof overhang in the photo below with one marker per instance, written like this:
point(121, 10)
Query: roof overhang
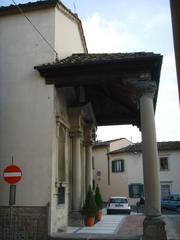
point(106, 83)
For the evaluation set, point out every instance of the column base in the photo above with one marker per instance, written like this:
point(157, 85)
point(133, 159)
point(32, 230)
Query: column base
point(154, 229)
point(76, 219)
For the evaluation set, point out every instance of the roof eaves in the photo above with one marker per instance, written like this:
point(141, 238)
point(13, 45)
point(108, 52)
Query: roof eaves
point(137, 147)
point(26, 7)
point(101, 144)
point(85, 59)
point(33, 6)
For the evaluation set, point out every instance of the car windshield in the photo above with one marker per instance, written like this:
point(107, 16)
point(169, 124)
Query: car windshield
point(118, 200)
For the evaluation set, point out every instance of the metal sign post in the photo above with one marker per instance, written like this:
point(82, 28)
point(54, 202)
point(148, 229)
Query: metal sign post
point(12, 174)
point(12, 195)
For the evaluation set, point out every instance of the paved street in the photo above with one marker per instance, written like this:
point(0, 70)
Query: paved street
point(120, 227)
point(111, 227)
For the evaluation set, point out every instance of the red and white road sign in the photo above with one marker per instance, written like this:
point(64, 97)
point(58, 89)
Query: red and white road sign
point(12, 174)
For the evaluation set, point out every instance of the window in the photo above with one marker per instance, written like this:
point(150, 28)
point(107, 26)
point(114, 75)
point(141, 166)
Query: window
point(136, 190)
point(164, 163)
point(61, 153)
point(118, 200)
point(165, 190)
point(118, 165)
point(61, 195)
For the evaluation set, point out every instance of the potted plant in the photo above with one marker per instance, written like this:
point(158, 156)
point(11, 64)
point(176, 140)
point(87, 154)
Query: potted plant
point(99, 203)
point(89, 208)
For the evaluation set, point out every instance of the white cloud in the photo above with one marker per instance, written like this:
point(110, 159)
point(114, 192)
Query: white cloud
point(132, 17)
point(108, 36)
point(168, 112)
point(112, 36)
point(158, 20)
point(113, 132)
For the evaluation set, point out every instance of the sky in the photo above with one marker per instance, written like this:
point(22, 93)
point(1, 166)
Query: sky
point(131, 26)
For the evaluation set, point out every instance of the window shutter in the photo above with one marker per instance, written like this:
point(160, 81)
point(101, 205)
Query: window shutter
point(141, 189)
point(122, 165)
point(113, 166)
point(130, 190)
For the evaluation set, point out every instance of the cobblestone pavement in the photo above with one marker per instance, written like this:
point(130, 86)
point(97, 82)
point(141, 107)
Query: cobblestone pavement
point(111, 227)
point(132, 226)
point(172, 226)
point(128, 227)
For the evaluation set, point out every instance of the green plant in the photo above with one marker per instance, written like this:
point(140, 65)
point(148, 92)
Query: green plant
point(98, 198)
point(89, 208)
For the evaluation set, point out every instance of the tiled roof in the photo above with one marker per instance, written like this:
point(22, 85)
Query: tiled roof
point(172, 145)
point(102, 57)
point(5, 10)
point(105, 143)
point(94, 58)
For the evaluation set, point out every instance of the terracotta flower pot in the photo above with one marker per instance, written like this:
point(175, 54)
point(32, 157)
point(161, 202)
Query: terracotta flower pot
point(99, 215)
point(90, 221)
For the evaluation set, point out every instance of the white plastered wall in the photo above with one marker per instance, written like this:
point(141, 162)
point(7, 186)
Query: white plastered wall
point(119, 180)
point(123, 142)
point(101, 164)
point(67, 35)
point(26, 105)
point(172, 174)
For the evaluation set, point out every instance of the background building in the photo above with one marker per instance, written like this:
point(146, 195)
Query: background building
point(125, 168)
point(102, 165)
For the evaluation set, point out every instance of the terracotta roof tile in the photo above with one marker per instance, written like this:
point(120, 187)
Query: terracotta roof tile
point(85, 58)
point(137, 147)
point(5, 10)
point(105, 143)
point(98, 58)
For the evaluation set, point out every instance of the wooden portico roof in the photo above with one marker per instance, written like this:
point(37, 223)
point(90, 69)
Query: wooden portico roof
point(104, 80)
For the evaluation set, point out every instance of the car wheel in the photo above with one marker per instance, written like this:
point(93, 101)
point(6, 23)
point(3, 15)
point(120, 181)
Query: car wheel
point(178, 208)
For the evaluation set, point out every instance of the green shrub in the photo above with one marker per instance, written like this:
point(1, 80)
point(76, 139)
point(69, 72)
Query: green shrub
point(98, 198)
point(89, 208)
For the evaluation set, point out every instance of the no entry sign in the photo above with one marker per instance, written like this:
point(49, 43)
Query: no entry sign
point(12, 174)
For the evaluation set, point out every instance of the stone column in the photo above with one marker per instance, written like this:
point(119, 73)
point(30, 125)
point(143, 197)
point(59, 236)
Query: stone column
point(89, 172)
point(76, 171)
point(88, 155)
point(76, 136)
point(150, 157)
point(154, 226)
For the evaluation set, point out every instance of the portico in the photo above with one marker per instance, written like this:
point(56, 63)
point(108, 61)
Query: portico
point(121, 89)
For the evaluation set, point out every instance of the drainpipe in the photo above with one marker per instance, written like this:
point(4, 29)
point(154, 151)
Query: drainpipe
point(108, 158)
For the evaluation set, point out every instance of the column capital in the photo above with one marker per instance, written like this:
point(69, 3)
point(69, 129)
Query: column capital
point(75, 132)
point(141, 87)
point(147, 88)
point(89, 134)
point(75, 119)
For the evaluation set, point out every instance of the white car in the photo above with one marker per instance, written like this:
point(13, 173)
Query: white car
point(118, 205)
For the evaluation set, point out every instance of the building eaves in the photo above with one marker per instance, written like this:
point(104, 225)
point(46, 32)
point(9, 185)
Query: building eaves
point(99, 58)
point(33, 6)
point(162, 146)
point(101, 144)
point(105, 143)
